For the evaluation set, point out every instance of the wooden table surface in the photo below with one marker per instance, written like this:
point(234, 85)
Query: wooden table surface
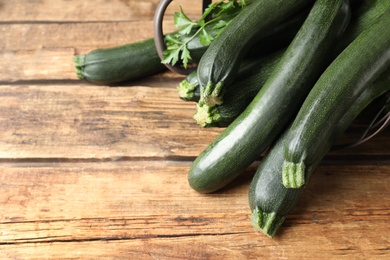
point(89, 172)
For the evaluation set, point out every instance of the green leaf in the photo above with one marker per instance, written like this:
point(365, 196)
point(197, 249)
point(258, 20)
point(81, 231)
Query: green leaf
point(185, 56)
point(186, 29)
point(205, 38)
point(171, 56)
point(181, 19)
point(220, 24)
point(215, 13)
point(172, 40)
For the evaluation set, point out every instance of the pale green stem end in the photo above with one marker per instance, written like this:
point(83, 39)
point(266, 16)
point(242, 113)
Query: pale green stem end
point(78, 62)
point(186, 90)
point(293, 174)
point(212, 94)
point(206, 116)
point(267, 223)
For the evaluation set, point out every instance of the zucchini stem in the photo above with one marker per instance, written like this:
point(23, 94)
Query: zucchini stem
point(205, 115)
point(79, 62)
point(293, 174)
point(267, 223)
point(186, 90)
point(212, 94)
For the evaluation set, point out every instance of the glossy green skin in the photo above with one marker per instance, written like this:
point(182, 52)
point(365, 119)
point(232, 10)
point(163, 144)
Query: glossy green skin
point(119, 64)
point(242, 91)
point(276, 103)
point(220, 62)
point(251, 76)
point(337, 89)
point(137, 60)
point(267, 192)
point(363, 16)
point(270, 42)
point(132, 61)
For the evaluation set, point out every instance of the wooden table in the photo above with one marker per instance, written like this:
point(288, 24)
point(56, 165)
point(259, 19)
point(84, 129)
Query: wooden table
point(89, 172)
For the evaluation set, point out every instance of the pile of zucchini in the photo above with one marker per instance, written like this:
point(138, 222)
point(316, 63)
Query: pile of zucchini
point(285, 78)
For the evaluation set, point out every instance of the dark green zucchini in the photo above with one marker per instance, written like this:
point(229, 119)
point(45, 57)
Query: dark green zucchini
point(270, 41)
point(219, 64)
point(189, 88)
point(239, 95)
point(339, 86)
point(276, 103)
point(136, 60)
point(119, 64)
point(363, 16)
point(270, 201)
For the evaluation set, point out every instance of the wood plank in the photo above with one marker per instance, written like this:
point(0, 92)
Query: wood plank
point(100, 122)
point(81, 37)
point(86, 11)
point(90, 172)
point(146, 208)
point(71, 121)
point(45, 51)
point(245, 246)
point(48, 54)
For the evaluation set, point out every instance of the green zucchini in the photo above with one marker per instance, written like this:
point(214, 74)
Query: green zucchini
point(119, 64)
point(189, 88)
point(336, 90)
point(269, 200)
point(362, 17)
point(270, 41)
point(276, 103)
point(239, 94)
point(219, 64)
point(136, 60)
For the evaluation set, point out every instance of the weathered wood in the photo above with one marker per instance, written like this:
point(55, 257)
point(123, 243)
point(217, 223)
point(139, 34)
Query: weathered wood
point(91, 172)
point(69, 121)
point(80, 37)
point(149, 205)
point(26, 11)
point(95, 122)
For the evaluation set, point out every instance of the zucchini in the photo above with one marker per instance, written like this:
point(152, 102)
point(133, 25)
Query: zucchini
point(336, 90)
point(135, 60)
point(363, 16)
point(278, 100)
point(119, 64)
point(189, 88)
point(139, 59)
point(239, 94)
point(269, 200)
point(270, 41)
point(219, 64)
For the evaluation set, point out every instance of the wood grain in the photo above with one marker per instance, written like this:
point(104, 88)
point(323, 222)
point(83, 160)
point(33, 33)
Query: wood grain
point(100, 172)
point(29, 11)
point(146, 209)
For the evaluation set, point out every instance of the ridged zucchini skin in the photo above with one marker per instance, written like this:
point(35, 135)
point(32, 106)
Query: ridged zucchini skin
point(219, 64)
point(269, 200)
point(277, 102)
point(336, 90)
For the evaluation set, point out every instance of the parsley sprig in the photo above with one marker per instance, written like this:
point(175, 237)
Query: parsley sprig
point(206, 29)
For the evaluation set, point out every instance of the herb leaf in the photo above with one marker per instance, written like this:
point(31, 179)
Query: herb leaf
point(214, 19)
point(205, 38)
